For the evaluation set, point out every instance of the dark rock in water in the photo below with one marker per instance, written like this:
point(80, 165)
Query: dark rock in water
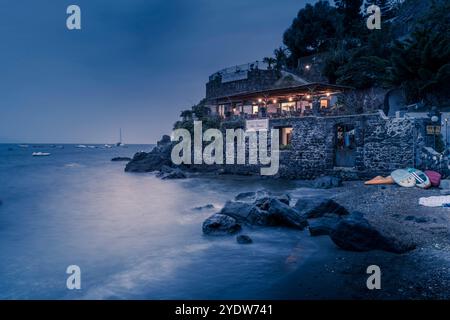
point(327, 182)
point(264, 202)
point(171, 173)
point(219, 224)
point(354, 233)
point(237, 210)
point(286, 215)
point(205, 207)
point(316, 207)
point(121, 159)
point(245, 196)
point(165, 140)
point(153, 160)
point(324, 225)
point(243, 239)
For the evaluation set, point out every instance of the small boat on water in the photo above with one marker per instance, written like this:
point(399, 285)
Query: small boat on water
point(81, 146)
point(120, 144)
point(23, 146)
point(40, 154)
point(107, 146)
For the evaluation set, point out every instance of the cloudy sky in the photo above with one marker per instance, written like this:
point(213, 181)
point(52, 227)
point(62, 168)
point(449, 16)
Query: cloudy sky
point(134, 65)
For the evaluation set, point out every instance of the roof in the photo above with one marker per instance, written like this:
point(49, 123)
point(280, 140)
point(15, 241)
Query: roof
point(297, 90)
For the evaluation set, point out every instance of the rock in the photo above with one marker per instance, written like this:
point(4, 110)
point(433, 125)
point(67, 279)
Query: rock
point(251, 196)
point(205, 207)
point(445, 184)
point(173, 173)
point(286, 215)
point(243, 239)
point(354, 233)
point(121, 159)
point(153, 160)
point(324, 225)
point(219, 224)
point(311, 208)
point(165, 140)
point(421, 220)
point(327, 182)
point(237, 210)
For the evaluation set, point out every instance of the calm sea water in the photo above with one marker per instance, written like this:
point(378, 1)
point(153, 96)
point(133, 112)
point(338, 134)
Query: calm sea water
point(134, 236)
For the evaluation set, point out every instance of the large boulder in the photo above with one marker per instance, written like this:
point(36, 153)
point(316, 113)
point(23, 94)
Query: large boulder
point(171, 173)
point(327, 182)
point(219, 224)
point(311, 208)
point(286, 215)
point(324, 225)
point(153, 160)
point(355, 233)
point(237, 210)
point(243, 239)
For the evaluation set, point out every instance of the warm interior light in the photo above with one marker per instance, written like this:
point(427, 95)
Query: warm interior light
point(259, 100)
point(307, 66)
point(308, 96)
point(274, 100)
point(290, 99)
point(328, 94)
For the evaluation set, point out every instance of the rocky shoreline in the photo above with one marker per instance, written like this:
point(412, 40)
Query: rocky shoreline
point(383, 225)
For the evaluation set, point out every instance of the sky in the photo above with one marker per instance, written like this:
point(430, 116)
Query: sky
point(135, 64)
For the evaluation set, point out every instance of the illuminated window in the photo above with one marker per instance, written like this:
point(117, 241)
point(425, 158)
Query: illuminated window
point(323, 103)
point(255, 109)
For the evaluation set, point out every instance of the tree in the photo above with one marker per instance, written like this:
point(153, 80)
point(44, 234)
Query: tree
point(352, 17)
point(421, 63)
point(281, 57)
point(269, 61)
point(312, 30)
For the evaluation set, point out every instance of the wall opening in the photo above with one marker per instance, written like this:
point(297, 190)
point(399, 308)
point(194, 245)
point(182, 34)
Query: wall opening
point(345, 146)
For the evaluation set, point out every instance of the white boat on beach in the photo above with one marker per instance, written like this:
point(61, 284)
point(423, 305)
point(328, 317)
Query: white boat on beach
point(40, 154)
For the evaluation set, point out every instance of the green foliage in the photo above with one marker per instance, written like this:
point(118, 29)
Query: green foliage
point(350, 10)
point(269, 61)
point(312, 30)
point(421, 64)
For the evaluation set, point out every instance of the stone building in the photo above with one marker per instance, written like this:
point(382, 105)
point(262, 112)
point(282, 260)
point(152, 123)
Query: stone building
point(317, 134)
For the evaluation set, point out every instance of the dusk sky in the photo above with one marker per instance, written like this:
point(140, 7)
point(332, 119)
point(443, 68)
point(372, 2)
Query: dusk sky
point(134, 65)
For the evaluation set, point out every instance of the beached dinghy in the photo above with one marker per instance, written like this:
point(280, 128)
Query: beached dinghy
point(403, 178)
point(40, 154)
point(422, 180)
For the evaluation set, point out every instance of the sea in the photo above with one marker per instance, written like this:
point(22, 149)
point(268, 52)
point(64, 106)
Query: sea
point(132, 235)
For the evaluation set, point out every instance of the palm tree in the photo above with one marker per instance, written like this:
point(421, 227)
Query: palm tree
point(280, 57)
point(269, 61)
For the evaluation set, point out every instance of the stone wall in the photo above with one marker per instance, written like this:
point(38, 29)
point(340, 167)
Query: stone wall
point(381, 146)
point(257, 80)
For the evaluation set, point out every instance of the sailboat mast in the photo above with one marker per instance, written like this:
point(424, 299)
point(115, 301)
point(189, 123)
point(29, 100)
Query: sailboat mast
point(120, 135)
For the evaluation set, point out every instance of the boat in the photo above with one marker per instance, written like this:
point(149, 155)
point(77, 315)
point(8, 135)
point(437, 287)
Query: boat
point(40, 154)
point(23, 145)
point(107, 146)
point(81, 146)
point(120, 144)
